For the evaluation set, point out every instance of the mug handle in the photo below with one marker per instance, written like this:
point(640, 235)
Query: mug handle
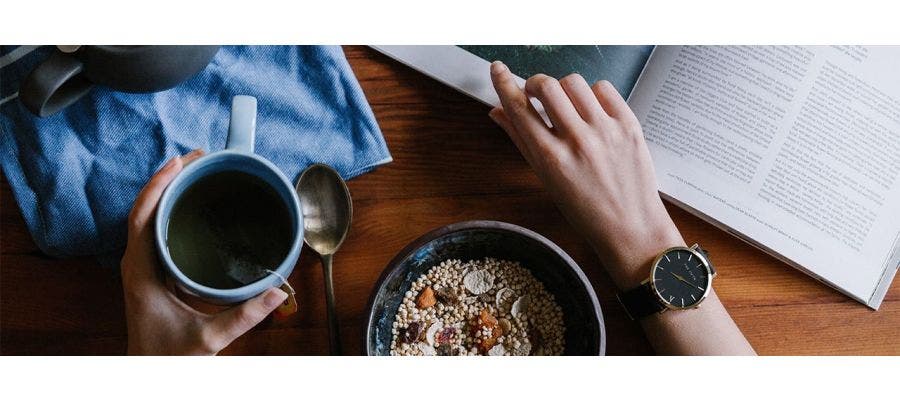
point(242, 126)
point(53, 85)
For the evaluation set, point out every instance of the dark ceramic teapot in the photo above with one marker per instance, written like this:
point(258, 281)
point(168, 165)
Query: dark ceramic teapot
point(71, 71)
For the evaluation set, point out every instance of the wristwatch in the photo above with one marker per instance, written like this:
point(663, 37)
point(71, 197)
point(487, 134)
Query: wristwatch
point(680, 278)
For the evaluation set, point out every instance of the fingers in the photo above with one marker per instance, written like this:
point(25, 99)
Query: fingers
point(550, 93)
point(503, 120)
point(145, 203)
point(139, 265)
point(582, 97)
point(234, 322)
point(193, 155)
point(612, 102)
point(529, 126)
point(146, 200)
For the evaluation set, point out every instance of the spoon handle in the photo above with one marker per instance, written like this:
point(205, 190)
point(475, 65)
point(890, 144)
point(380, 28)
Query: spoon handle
point(334, 334)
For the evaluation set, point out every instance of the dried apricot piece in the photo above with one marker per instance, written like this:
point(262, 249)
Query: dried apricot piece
point(426, 298)
point(485, 319)
point(486, 345)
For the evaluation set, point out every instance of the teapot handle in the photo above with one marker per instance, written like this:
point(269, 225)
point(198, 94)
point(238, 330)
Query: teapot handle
point(53, 85)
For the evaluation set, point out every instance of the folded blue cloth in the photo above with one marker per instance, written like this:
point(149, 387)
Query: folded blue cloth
point(75, 174)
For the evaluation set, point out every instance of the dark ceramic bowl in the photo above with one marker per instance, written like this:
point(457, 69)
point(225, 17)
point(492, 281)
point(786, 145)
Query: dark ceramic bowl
point(472, 240)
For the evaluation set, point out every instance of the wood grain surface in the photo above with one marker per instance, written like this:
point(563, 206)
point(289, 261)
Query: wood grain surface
point(451, 163)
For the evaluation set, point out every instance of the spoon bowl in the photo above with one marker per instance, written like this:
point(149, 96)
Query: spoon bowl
point(325, 200)
point(327, 211)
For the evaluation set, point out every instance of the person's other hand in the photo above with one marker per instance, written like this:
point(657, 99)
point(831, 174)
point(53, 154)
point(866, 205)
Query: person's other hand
point(158, 322)
point(595, 164)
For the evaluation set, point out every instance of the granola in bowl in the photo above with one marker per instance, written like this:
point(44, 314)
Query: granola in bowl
point(480, 307)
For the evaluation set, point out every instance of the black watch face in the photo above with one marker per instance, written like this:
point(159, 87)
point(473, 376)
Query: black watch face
point(680, 278)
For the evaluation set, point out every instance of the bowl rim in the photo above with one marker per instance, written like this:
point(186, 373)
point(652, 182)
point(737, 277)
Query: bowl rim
point(410, 248)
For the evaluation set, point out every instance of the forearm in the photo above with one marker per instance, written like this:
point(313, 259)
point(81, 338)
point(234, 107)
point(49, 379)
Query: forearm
point(596, 164)
point(707, 330)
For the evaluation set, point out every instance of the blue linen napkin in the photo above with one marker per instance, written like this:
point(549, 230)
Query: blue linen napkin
point(75, 174)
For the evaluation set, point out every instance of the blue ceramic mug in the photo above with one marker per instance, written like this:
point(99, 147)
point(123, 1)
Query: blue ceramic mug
point(237, 156)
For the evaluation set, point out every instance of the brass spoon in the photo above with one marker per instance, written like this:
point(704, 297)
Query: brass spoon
point(327, 210)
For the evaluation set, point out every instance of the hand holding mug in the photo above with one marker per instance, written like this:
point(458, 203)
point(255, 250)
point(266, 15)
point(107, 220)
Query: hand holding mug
point(158, 321)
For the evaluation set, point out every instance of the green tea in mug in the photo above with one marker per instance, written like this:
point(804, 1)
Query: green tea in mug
point(225, 222)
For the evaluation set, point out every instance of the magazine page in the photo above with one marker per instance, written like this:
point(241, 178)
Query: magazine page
point(796, 149)
point(465, 68)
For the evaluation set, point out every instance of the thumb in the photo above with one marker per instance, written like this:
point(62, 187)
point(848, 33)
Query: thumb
point(234, 322)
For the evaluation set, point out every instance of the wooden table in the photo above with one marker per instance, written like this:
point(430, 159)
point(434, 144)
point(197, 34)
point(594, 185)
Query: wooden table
point(451, 163)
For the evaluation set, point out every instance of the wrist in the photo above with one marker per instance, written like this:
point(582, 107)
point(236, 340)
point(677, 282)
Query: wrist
point(630, 258)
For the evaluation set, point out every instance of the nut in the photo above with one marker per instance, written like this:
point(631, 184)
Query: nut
point(447, 296)
point(505, 325)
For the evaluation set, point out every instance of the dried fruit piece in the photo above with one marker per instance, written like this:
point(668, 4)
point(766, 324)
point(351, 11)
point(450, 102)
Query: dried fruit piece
point(478, 281)
point(411, 333)
point(504, 299)
point(426, 298)
point(496, 332)
point(497, 350)
point(504, 325)
point(486, 344)
point(432, 331)
point(520, 306)
point(445, 335)
point(485, 319)
point(447, 296)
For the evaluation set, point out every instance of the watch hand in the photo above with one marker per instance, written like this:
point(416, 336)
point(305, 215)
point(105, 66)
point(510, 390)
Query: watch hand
point(684, 280)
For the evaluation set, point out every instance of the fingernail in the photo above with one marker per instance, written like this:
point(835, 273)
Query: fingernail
point(194, 152)
point(498, 67)
point(274, 297)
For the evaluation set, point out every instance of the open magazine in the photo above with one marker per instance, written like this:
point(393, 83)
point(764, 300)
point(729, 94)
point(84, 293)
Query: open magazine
point(794, 149)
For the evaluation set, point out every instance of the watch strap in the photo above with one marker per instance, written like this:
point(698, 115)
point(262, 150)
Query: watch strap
point(640, 302)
